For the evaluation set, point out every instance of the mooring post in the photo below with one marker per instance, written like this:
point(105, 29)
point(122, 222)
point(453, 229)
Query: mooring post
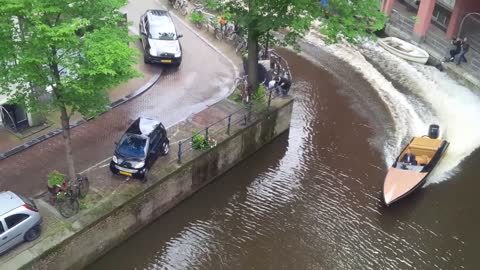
point(269, 98)
point(229, 123)
point(179, 160)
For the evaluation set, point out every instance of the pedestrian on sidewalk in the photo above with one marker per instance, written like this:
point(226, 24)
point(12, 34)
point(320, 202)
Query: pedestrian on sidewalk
point(460, 57)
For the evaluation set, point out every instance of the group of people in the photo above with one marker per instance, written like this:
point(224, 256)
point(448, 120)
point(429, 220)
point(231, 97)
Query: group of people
point(279, 84)
point(460, 48)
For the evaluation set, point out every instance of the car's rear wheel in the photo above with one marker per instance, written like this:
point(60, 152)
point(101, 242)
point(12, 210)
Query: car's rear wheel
point(33, 233)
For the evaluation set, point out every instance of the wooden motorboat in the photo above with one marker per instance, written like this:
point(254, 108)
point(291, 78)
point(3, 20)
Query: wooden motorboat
point(404, 49)
point(403, 178)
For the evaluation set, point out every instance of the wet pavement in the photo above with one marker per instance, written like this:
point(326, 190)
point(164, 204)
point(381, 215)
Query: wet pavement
point(204, 77)
point(9, 140)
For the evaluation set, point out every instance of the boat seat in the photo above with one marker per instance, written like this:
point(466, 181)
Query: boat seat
point(422, 160)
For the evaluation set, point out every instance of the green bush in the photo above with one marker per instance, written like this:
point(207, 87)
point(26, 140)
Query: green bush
point(199, 142)
point(197, 17)
point(261, 94)
point(55, 178)
point(213, 4)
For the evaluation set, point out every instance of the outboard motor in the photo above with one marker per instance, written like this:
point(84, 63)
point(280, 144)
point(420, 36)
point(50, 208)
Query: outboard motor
point(433, 131)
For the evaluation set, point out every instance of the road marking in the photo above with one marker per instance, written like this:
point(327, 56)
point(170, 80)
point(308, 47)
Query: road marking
point(97, 164)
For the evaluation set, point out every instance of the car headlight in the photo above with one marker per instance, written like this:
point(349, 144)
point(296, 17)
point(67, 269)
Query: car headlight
point(114, 158)
point(178, 53)
point(139, 165)
point(152, 52)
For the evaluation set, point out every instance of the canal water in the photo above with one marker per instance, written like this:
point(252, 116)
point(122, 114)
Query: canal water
point(312, 198)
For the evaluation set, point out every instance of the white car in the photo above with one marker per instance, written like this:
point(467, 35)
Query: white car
point(159, 38)
point(19, 220)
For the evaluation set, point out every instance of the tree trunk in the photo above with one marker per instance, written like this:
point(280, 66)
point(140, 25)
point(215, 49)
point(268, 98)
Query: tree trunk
point(253, 59)
point(68, 142)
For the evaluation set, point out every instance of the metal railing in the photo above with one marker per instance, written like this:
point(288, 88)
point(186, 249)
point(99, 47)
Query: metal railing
point(239, 118)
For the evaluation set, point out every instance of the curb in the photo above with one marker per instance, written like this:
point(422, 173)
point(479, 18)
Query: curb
point(138, 92)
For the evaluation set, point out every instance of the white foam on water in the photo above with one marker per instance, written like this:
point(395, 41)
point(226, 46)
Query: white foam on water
point(454, 107)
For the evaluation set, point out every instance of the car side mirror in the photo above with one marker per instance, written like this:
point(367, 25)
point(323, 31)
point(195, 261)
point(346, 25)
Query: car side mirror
point(179, 36)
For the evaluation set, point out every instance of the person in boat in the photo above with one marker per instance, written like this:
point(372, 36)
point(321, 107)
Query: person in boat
point(460, 57)
point(409, 158)
point(457, 48)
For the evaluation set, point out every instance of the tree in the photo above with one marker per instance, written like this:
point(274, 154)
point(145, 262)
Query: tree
point(63, 55)
point(258, 17)
point(349, 19)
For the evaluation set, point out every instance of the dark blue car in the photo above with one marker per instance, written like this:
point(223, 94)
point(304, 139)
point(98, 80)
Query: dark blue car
point(139, 147)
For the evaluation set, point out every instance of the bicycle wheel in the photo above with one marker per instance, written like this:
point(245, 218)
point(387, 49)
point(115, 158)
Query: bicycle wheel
point(198, 25)
point(176, 5)
point(218, 34)
point(83, 187)
point(69, 207)
point(184, 10)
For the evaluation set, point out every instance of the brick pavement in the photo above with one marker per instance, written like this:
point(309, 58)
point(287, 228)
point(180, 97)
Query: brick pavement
point(204, 78)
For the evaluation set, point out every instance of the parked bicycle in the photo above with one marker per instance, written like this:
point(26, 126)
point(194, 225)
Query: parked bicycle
point(226, 32)
point(241, 84)
point(65, 195)
point(198, 16)
point(181, 5)
point(241, 45)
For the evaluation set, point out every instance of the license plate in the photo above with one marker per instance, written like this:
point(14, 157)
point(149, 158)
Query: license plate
point(125, 173)
point(166, 61)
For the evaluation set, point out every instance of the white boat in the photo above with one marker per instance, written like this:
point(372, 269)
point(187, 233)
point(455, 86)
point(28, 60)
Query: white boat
point(404, 49)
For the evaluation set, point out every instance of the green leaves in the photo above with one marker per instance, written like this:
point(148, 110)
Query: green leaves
point(68, 52)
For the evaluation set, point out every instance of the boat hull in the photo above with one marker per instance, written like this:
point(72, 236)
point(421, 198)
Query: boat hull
point(401, 182)
point(404, 50)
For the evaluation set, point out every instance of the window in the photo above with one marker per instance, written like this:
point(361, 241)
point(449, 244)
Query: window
point(15, 219)
point(1, 228)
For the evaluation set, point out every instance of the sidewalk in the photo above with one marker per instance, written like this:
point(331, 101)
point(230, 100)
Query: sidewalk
point(457, 72)
point(10, 143)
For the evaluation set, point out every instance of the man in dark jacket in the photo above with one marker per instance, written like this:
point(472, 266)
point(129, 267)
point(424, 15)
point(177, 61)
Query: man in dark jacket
point(409, 158)
point(461, 55)
point(457, 43)
point(283, 85)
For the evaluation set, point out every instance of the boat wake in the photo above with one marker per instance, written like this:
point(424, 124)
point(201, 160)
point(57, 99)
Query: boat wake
point(422, 95)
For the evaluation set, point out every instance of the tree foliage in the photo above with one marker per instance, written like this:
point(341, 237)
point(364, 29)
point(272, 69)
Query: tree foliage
point(71, 49)
point(346, 19)
point(350, 20)
point(63, 55)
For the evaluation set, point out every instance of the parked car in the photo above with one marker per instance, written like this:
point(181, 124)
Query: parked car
point(139, 147)
point(19, 220)
point(159, 38)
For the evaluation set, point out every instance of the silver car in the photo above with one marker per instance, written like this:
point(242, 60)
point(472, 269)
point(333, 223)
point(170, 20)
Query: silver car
point(19, 220)
point(159, 38)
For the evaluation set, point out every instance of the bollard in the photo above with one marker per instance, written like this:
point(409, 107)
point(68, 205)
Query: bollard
point(179, 160)
point(269, 99)
point(229, 122)
point(245, 119)
point(206, 134)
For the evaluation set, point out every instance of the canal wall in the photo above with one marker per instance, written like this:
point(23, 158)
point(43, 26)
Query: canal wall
point(127, 210)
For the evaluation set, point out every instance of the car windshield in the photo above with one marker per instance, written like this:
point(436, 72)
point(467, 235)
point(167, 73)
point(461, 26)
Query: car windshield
point(162, 29)
point(132, 146)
